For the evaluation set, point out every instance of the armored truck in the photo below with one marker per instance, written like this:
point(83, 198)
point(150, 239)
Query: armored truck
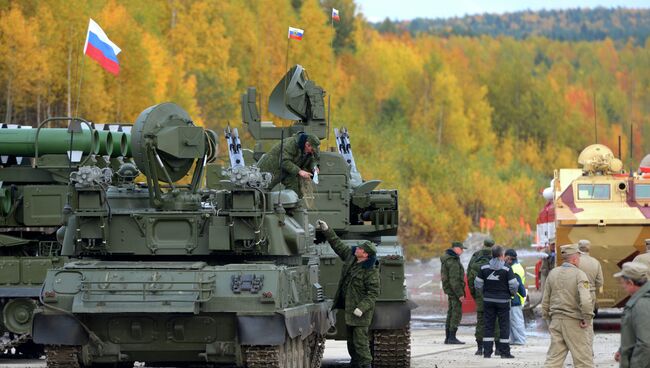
point(604, 204)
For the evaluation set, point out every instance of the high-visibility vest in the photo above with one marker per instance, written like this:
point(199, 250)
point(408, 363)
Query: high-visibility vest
point(518, 269)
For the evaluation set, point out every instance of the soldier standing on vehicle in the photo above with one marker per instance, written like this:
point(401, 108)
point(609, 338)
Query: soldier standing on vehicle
point(300, 157)
point(478, 260)
point(568, 309)
point(517, 322)
point(452, 274)
point(357, 292)
point(645, 257)
point(635, 324)
point(590, 266)
point(498, 285)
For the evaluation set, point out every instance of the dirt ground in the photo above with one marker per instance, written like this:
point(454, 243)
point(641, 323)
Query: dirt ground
point(428, 351)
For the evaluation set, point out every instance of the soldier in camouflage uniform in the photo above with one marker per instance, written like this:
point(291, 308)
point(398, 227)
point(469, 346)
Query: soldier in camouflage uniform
point(452, 274)
point(480, 258)
point(300, 155)
point(357, 291)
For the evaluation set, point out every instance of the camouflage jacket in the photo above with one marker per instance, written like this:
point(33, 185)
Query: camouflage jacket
point(452, 274)
point(358, 285)
point(479, 258)
point(635, 330)
point(293, 160)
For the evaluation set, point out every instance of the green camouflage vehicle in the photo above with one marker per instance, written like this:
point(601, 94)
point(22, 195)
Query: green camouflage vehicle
point(354, 208)
point(35, 165)
point(169, 272)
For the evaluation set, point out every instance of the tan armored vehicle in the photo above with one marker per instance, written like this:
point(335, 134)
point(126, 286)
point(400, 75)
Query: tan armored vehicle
point(601, 203)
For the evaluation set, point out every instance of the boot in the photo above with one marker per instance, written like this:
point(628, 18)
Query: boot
point(446, 336)
point(504, 348)
point(453, 340)
point(479, 351)
point(487, 349)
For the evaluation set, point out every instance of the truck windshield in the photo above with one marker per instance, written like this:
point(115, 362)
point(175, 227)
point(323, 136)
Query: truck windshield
point(593, 191)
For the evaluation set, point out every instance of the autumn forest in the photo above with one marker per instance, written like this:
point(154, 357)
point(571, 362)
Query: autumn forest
point(466, 126)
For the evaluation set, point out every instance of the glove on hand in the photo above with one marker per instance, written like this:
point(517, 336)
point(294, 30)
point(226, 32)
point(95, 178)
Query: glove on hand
point(357, 312)
point(321, 225)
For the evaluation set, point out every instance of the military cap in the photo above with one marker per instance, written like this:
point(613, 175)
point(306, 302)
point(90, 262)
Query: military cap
point(458, 244)
point(584, 245)
point(369, 247)
point(633, 270)
point(511, 253)
point(569, 249)
point(313, 140)
point(488, 242)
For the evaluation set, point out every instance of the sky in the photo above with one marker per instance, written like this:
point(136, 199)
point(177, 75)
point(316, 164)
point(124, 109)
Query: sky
point(377, 10)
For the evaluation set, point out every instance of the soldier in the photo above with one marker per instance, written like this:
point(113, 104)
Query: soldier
point(498, 285)
point(645, 257)
point(517, 322)
point(635, 324)
point(548, 263)
point(568, 309)
point(479, 259)
point(357, 291)
point(300, 155)
point(590, 266)
point(452, 274)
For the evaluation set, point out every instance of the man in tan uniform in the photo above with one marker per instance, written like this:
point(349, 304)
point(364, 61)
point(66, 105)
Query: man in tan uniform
point(592, 268)
point(645, 257)
point(568, 309)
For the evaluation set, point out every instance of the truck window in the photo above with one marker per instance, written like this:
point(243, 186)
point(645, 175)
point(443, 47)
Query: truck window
point(642, 191)
point(593, 191)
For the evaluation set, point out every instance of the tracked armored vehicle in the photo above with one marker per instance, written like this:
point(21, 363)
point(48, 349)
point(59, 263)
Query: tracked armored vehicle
point(602, 203)
point(355, 209)
point(35, 165)
point(178, 274)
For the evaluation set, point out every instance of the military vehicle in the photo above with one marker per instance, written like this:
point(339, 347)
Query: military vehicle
point(35, 165)
point(353, 208)
point(172, 273)
point(602, 203)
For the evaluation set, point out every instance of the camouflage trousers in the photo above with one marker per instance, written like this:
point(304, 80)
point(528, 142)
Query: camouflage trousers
point(359, 345)
point(454, 314)
point(480, 322)
point(290, 183)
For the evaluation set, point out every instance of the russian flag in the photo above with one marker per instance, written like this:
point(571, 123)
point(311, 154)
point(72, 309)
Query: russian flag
point(335, 14)
point(296, 33)
point(100, 48)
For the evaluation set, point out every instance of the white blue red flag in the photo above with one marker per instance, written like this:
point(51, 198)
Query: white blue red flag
point(335, 14)
point(296, 33)
point(101, 49)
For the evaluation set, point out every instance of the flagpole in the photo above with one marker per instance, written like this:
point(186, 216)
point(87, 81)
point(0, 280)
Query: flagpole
point(329, 95)
point(286, 69)
point(81, 78)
